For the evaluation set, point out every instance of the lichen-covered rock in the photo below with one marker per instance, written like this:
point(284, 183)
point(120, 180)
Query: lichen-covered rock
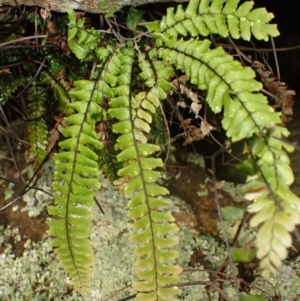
point(92, 6)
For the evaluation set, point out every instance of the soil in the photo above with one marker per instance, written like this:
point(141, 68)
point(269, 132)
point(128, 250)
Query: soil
point(187, 180)
point(32, 228)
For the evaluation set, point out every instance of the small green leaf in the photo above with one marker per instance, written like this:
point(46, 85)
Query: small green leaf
point(233, 26)
point(230, 7)
point(72, 32)
point(242, 255)
point(244, 297)
point(203, 6)
point(232, 213)
point(134, 16)
point(244, 9)
point(248, 166)
point(82, 35)
point(216, 6)
point(71, 15)
point(80, 51)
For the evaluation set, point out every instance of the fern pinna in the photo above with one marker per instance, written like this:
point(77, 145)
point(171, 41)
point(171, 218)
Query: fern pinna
point(231, 90)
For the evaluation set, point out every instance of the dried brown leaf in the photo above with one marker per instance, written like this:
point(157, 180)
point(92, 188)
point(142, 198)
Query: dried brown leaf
point(284, 98)
point(206, 128)
point(196, 107)
point(54, 133)
point(51, 27)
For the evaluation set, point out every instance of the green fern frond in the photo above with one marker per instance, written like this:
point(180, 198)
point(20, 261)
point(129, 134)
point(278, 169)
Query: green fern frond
point(153, 226)
point(232, 88)
point(60, 92)
point(204, 17)
point(277, 208)
point(36, 127)
point(229, 85)
point(75, 184)
point(81, 40)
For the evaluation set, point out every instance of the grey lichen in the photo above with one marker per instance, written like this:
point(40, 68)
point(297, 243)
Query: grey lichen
point(37, 275)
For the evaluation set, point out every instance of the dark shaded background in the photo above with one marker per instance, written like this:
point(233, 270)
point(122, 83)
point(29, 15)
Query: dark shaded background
point(287, 16)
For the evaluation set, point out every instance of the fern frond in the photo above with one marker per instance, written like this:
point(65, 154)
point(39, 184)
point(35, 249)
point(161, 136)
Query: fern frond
point(9, 83)
point(277, 208)
point(232, 88)
point(81, 40)
point(60, 91)
point(36, 127)
point(203, 17)
point(229, 85)
point(153, 226)
point(75, 184)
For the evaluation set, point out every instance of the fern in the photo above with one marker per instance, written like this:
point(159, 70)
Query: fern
point(153, 226)
point(75, 183)
point(80, 40)
point(219, 17)
point(9, 84)
point(231, 90)
point(37, 128)
point(60, 92)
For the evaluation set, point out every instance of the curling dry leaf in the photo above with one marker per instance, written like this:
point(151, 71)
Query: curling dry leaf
point(284, 97)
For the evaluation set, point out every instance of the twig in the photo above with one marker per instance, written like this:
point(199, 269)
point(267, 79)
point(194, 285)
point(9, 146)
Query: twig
point(275, 58)
point(23, 39)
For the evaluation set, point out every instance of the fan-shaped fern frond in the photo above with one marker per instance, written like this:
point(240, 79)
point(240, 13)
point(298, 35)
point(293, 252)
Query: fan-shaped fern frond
point(36, 127)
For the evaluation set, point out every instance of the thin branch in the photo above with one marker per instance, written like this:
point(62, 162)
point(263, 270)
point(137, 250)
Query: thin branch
point(22, 39)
